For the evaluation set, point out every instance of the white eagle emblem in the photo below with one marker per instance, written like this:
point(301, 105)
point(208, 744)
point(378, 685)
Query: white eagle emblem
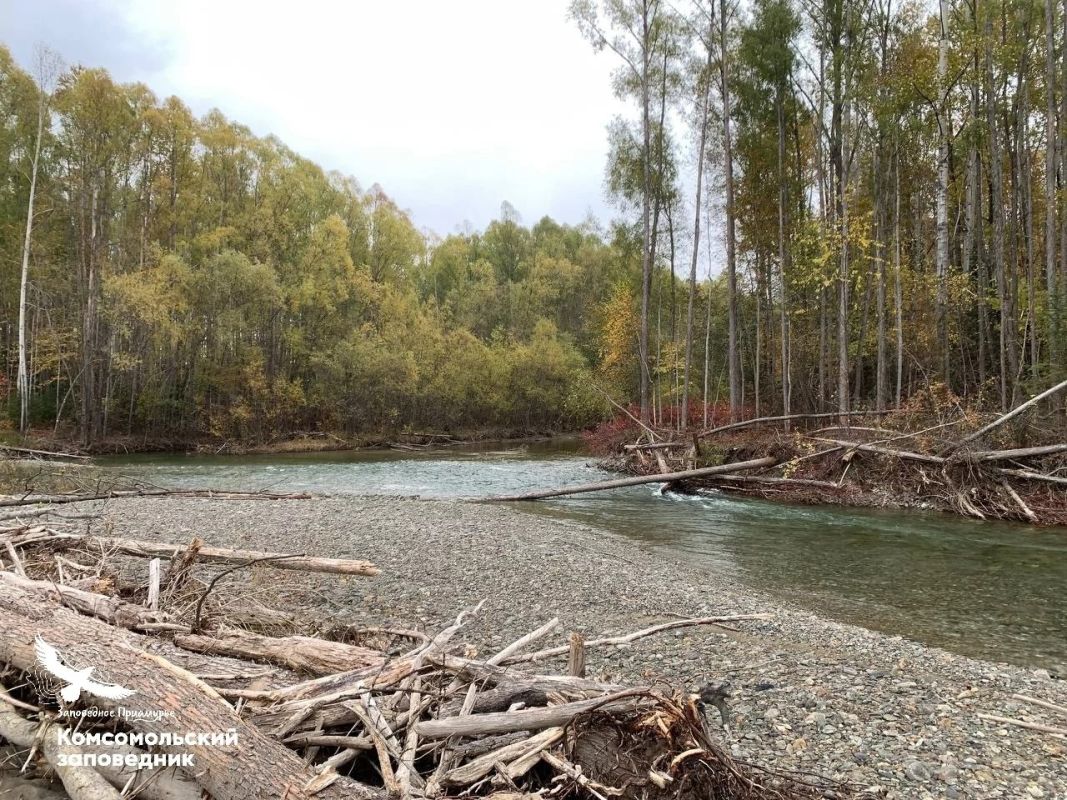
point(77, 680)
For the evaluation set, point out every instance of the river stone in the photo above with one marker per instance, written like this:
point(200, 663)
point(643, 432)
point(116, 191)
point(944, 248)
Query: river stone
point(917, 771)
point(602, 584)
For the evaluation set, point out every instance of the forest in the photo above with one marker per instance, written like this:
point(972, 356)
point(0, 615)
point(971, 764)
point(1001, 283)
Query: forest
point(823, 205)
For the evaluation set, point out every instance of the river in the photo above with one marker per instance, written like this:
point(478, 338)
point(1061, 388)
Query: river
point(986, 589)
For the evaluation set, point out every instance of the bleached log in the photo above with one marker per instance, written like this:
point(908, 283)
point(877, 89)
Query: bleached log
point(300, 653)
point(81, 783)
point(110, 609)
point(637, 480)
point(253, 766)
point(907, 455)
point(1021, 723)
point(527, 720)
point(1018, 452)
point(616, 641)
point(769, 480)
point(154, 573)
point(118, 494)
point(788, 418)
point(1038, 702)
point(26, 451)
point(478, 768)
point(221, 555)
point(1014, 495)
point(1003, 418)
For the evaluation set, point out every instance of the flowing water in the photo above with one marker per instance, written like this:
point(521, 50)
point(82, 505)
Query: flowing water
point(986, 589)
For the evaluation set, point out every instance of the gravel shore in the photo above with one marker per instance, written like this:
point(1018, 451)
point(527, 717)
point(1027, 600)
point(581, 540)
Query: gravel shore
point(807, 693)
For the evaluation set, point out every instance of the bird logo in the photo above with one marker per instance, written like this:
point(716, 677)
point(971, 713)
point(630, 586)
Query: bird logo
point(76, 680)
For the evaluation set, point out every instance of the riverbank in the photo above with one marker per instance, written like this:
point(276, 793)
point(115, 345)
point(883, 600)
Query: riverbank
point(808, 694)
point(296, 442)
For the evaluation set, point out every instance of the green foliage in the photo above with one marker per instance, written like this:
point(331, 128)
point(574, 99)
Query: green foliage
point(192, 279)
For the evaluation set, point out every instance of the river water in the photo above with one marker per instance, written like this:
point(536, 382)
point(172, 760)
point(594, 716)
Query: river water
point(986, 589)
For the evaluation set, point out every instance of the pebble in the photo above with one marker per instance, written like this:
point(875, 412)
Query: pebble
point(819, 695)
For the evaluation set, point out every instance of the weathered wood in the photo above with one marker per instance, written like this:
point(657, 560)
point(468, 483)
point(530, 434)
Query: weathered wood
point(576, 656)
point(221, 555)
point(81, 783)
point(118, 494)
point(629, 448)
point(616, 641)
point(1038, 702)
point(1014, 495)
point(110, 609)
point(907, 455)
point(772, 481)
point(300, 653)
point(1028, 475)
point(26, 451)
point(1003, 418)
point(478, 768)
point(254, 767)
point(166, 783)
point(527, 720)
point(1021, 723)
point(154, 573)
point(787, 418)
point(1018, 452)
point(637, 480)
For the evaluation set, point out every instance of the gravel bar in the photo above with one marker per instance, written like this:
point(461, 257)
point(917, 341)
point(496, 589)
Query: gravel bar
point(808, 694)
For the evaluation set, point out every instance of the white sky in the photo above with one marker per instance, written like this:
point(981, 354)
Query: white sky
point(453, 107)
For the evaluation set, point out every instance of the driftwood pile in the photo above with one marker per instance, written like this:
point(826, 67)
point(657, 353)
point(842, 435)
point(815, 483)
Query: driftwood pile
point(251, 702)
point(932, 466)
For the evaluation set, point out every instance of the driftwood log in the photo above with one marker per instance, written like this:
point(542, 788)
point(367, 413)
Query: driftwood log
point(254, 767)
point(637, 480)
point(204, 553)
point(299, 653)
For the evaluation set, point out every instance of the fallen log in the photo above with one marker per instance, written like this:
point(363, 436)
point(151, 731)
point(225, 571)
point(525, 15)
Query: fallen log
point(1021, 723)
point(907, 455)
point(219, 555)
point(625, 639)
point(787, 418)
point(1018, 452)
point(629, 448)
point(109, 609)
point(116, 494)
point(1003, 418)
point(533, 719)
point(1027, 475)
point(252, 766)
point(83, 782)
point(26, 451)
point(298, 653)
point(772, 481)
point(637, 480)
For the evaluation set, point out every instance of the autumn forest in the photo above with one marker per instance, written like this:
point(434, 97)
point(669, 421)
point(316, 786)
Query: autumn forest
point(821, 205)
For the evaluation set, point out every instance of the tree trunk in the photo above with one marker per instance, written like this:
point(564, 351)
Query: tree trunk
point(697, 198)
point(732, 355)
point(646, 199)
point(1051, 140)
point(943, 123)
point(23, 377)
point(252, 766)
point(996, 178)
point(783, 261)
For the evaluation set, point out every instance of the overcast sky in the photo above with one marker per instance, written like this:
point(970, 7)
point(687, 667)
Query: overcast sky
point(453, 107)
